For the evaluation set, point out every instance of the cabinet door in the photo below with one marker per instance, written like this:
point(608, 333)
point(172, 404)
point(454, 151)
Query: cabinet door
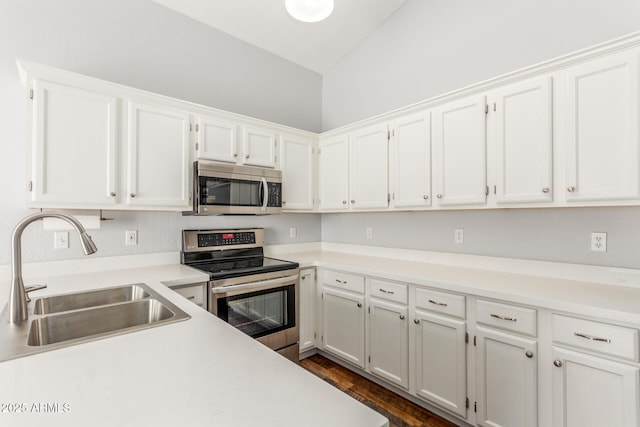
point(307, 309)
point(298, 171)
point(334, 173)
point(602, 129)
point(389, 342)
point(506, 380)
point(523, 139)
point(74, 147)
point(369, 168)
point(158, 157)
point(460, 158)
point(590, 391)
point(259, 147)
point(411, 161)
point(343, 325)
point(441, 374)
point(217, 140)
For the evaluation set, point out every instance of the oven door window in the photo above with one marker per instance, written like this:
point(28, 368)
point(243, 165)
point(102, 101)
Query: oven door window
point(230, 192)
point(260, 313)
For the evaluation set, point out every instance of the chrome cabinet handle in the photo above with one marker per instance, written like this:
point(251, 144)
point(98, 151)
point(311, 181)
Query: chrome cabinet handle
point(386, 292)
point(344, 282)
point(359, 304)
point(246, 156)
point(112, 194)
point(344, 202)
point(402, 317)
point(235, 154)
point(590, 337)
point(304, 277)
point(443, 304)
point(425, 197)
point(284, 202)
point(353, 201)
point(529, 354)
point(510, 319)
point(439, 196)
point(416, 321)
point(132, 195)
point(571, 189)
point(545, 189)
point(192, 297)
point(557, 363)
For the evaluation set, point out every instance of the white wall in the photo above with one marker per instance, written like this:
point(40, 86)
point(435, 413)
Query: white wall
point(144, 45)
point(430, 47)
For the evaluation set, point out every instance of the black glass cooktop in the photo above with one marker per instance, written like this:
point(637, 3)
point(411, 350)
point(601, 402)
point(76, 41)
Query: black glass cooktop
point(235, 267)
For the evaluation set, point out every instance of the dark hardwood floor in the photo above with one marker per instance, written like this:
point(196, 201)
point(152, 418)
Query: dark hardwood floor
point(399, 411)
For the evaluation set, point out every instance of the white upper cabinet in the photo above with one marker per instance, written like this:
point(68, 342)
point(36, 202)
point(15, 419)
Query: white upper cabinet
point(523, 134)
point(334, 173)
point(460, 147)
point(368, 168)
point(217, 139)
point(602, 129)
point(258, 147)
point(297, 161)
point(74, 147)
point(410, 161)
point(158, 156)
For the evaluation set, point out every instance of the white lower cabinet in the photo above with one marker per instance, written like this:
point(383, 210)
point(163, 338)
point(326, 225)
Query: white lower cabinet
point(506, 379)
point(307, 323)
point(389, 342)
point(590, 391)
point(343, 317)
point(440, 351)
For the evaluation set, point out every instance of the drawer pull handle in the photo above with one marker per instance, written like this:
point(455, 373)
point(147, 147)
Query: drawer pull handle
point(191, 297)
point(416, 321)
point(589, 337)
point(557, 363)
point(384, 291)
point(510, 319)
point(529, 354)
point(359, 304)
point(443, 304)
point(402, 317)
point(344, 282)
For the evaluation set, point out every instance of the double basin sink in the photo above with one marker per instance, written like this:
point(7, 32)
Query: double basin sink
point(62, 320)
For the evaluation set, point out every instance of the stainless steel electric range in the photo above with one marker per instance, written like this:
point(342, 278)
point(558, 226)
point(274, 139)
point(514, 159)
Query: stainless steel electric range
point(256, 294)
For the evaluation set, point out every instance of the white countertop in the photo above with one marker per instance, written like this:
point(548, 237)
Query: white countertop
point(619, 303)
point(198, 372)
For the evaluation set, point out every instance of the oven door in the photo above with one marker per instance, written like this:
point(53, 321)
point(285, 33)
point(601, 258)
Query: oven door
point(263, 306)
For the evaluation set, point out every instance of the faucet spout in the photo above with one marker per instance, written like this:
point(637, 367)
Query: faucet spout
point(18, 296)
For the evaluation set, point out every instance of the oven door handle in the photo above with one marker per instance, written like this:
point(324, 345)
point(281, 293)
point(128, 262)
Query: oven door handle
point(255, 286)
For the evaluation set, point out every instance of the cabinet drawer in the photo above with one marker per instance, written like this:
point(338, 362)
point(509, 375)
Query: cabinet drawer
point(388, 290)
point(194, 293)
point(505, 316)
point(350, 282)
point(441, 302)
point(595, 336)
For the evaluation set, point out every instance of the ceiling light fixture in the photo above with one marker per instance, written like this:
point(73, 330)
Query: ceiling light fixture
point(309, 10)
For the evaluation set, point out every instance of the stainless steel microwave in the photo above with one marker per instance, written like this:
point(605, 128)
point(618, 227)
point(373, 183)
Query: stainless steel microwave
point(221, 189)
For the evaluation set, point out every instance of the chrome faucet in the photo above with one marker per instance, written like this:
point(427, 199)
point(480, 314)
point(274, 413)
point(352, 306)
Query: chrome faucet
point(18, 296)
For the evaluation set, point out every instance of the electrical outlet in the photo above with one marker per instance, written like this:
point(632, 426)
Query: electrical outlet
point(293, 232)
point(61, 240)
point(458, 235)
point(599, 242)
point(369, 232)
point(131, 237)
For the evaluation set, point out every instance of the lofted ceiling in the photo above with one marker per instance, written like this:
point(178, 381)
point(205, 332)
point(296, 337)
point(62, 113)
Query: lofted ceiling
point(266, 24)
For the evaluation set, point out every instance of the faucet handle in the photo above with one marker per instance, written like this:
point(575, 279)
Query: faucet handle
point(32, 288)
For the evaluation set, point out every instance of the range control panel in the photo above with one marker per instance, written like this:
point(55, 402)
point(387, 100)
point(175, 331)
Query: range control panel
point(212, 240)
point(226, 239)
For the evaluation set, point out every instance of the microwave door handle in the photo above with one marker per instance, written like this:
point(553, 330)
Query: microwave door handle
point(265, 194)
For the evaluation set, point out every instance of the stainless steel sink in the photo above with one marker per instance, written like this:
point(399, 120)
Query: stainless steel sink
point(97, 321)
point(74, 318)
point(78, 300)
